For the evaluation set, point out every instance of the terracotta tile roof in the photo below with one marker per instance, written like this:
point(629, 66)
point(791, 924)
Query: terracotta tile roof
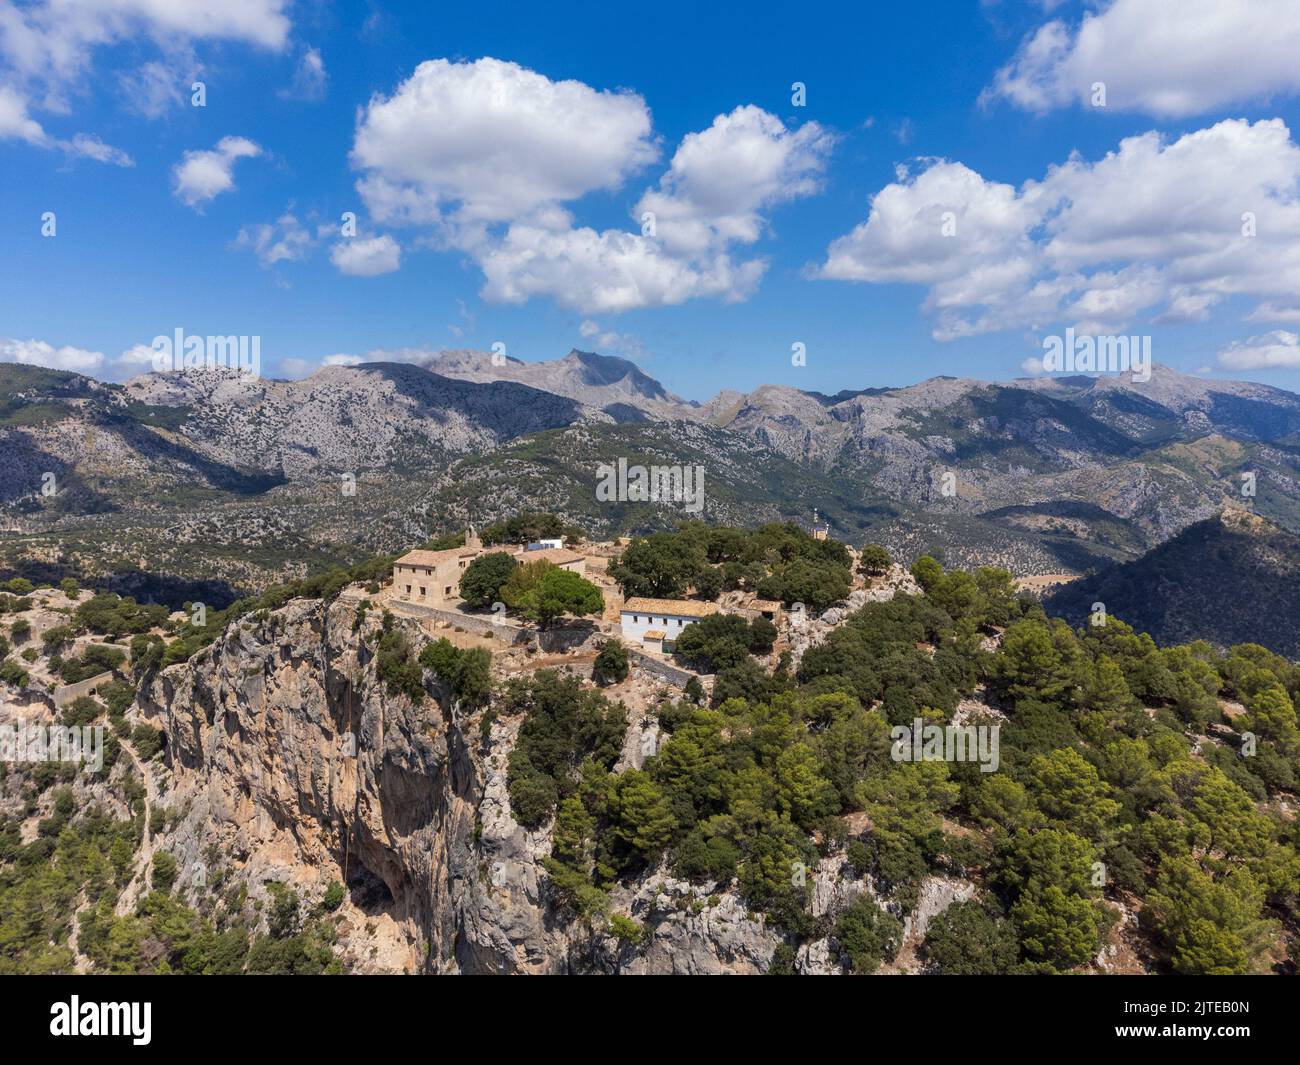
point(433, 558)
point(656, 634)
point(682, 608)
point(557, 556)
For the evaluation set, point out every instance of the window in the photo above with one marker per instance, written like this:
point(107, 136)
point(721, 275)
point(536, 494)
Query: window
point(408, 589)
point(422, 591)
point(447, 590)
point(636, 620)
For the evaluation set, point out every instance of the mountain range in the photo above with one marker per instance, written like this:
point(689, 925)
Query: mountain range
point(212, 476)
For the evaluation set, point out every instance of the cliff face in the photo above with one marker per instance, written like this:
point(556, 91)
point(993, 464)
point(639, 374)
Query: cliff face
point(264, 786)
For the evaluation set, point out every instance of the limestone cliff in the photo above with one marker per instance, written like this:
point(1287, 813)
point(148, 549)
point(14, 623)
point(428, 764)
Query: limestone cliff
point(265, 785)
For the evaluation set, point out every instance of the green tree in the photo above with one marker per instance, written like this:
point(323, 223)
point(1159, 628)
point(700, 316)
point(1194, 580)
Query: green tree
point(1209, 928)
point(708, 583)
point(867, 935)
point(970, 939)
point(163, 872)
point(642, 821)
point(611, 665)
point(480, 584)
point(659, 566)
point(875, 560)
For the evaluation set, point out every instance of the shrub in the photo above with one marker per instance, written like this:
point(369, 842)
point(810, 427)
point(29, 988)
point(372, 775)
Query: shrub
point(146, 740)
point(611, 664)
point(334, 895)
point(163, 873)
point(867, 934)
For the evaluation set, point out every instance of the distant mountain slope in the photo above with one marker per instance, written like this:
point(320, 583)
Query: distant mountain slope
point(208, 471)
point(615, 385)
point(348, 418)
point(1233, 578)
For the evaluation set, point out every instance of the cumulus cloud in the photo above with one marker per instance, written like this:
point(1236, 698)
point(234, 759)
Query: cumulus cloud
point(1171, 58)
point(603, 272)
point(367, 256)
point(1170, 228)
point(721, 179)
point(488, 156)
point(202, 175)
point(491, 140)
point(136, 359)
point(1271, 351)
point(139, 358)
point(40, 353)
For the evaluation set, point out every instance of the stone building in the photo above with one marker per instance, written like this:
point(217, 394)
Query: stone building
point(432, 578)
point(655, 624)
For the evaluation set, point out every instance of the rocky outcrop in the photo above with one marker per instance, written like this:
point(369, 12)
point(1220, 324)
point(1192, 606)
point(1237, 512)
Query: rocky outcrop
point(289, 762)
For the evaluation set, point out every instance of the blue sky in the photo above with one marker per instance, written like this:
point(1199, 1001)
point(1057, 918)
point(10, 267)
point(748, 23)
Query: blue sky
point(499, 158)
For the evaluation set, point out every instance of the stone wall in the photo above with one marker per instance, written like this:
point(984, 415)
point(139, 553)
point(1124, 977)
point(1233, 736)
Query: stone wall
point(660, 668)
point(65, 694)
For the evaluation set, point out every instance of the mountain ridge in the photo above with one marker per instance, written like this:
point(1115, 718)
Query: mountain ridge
point(1041, 476)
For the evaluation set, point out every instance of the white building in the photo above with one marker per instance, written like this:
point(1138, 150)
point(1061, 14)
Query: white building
point(655, 624)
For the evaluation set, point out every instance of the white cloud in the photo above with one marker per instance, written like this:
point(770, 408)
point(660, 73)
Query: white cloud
point(296, 367)
point(720, 179)
point(1271, 351)
point(1171, 58)
point(17, 124)
point(154, 88)
point(603, 272)
point(1272, 312)
point(137, 358)
point(51, 42)
point(488, 155)
point(40, 353)
point(284, 240)
point(201, 175)
point(490, 140)
point(89, 146)
point(367, 256)
point(47, 49)
point(1153, 226)
point(309, 78)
